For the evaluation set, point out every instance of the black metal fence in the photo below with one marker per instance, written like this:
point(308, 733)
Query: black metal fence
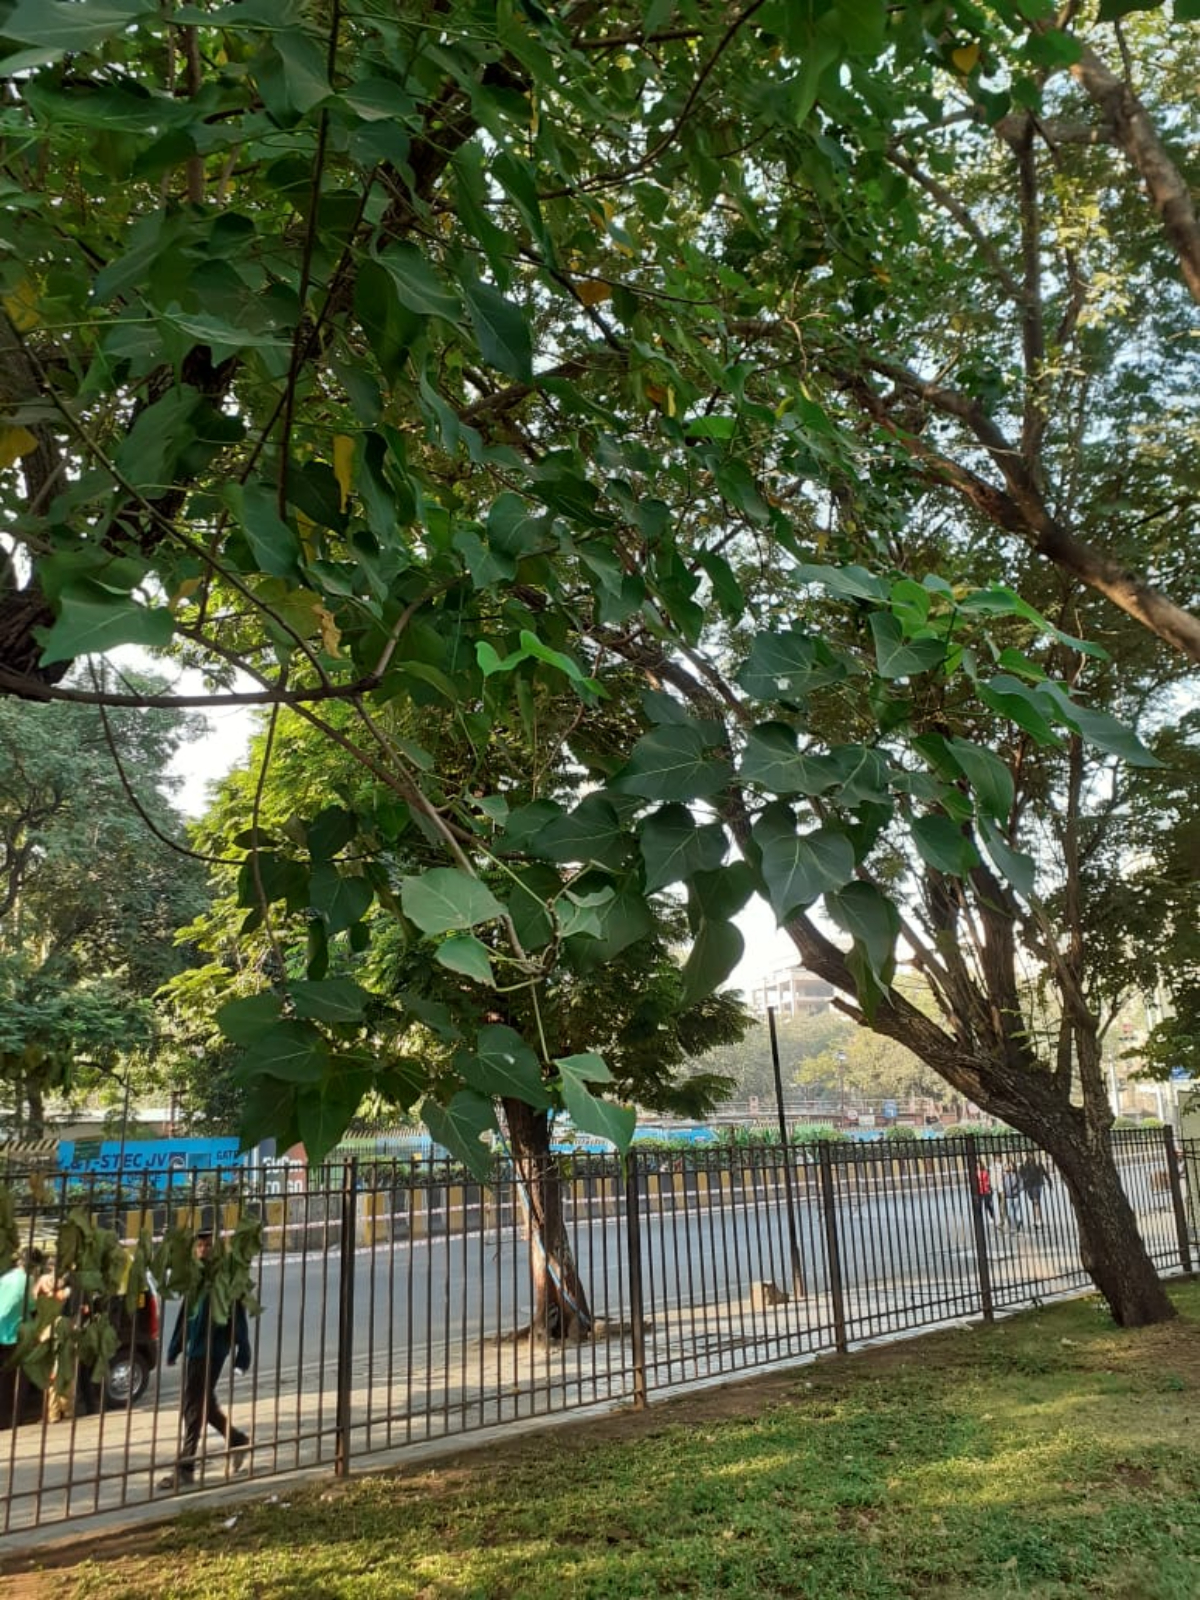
point(398, 1302)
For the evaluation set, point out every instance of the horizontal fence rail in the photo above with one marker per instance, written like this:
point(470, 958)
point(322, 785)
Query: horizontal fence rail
point(400, 1303)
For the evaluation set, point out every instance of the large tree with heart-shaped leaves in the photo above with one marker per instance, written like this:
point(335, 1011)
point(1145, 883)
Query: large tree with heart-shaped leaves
point(475, 358)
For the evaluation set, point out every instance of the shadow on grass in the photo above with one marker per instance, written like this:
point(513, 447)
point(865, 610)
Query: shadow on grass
point(1051, 1456)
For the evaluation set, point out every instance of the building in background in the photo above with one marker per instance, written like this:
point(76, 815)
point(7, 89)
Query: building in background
point(793, 991)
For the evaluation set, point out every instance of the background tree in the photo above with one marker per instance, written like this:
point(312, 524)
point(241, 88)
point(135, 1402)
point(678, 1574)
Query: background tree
point(91, 901)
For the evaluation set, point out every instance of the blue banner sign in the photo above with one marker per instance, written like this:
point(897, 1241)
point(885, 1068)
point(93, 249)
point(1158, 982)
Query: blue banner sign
point(162, 1161)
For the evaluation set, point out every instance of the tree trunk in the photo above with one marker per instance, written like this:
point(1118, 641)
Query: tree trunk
point(560, 1305)
point(995, 1072)
point(35, 1120)
point(1111, 1247)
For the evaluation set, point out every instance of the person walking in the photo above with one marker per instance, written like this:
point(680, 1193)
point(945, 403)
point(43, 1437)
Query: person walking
point(998, 1194)
point(983, 1188)
point(1012, 1195)
point(1034, 1179)
point(16, 1304)
point(205, 1345)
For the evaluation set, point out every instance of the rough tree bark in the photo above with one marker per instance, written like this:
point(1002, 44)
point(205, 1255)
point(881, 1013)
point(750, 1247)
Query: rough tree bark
point(560, 1304)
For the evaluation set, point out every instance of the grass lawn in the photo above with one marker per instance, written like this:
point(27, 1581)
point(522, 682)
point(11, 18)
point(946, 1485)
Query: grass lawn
point(1050, 1456)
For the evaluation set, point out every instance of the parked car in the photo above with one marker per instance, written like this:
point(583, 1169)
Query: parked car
point(138, 1337)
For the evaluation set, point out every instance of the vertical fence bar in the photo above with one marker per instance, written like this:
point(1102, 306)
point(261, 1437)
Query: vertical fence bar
point(633, 1243)
point(982, 1263)
point(793, 1240)
point(833, 1249)
point(345, 1350)
point(1173, 1178)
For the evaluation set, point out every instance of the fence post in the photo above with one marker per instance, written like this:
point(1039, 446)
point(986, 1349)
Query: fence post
point(793, 1240)
point(633, 1242)
point(833, 1248)
point(1173, 1178)
point(983, 1264)
point(345, 1349)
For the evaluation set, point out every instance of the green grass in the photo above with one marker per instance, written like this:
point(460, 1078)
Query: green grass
point(1052, 1456)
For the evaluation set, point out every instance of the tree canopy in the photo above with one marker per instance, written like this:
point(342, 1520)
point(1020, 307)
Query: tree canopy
point(822, 369)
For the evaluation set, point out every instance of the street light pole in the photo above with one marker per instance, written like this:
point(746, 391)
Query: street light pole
point(841, 1061)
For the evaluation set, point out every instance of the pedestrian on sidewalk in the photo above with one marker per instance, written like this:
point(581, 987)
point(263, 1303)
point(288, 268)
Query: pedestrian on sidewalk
point(1012, 1195)
point(16, 1304)
point(1034, 1179)
point(983, 1188)
point(205, 1345)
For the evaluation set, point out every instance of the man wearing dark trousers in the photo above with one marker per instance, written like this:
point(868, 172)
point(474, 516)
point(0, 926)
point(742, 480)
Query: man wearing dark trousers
point(205, 1346)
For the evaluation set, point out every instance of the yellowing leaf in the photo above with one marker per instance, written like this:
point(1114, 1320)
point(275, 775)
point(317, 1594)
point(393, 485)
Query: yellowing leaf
point(21, 306)
point(592, 291)
point(15, 443)
point(343, 464)
point(966, 58)
point(656, 394)
point(331, 634)
point(184, 592)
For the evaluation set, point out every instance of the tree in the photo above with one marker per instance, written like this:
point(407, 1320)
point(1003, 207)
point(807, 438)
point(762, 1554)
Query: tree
point(410, 1005)
point(90, 903)
point(478, 360)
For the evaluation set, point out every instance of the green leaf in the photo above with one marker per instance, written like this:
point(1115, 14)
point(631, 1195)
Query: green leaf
point(591, 833)
point(466, 954)
point(340, 899)
point(623, 919)
point(1028, 708)
point(504, 1067)
point(674, 846)
point(445, 899)
point(56, 26)
point(988, 776)
point(245, 1020)
point(223, 337)
point(717, 949)
point(772, 763)
point(323, 1114)
point(711, 427)
point(848, 583)
point(92, 619)
point(296, 1052)
point(305, 80)
point(268, 1112)
point(501, 328)
point(789, 666)
point(944, 846)
point(274, 543)
point(534, 887)
point(872, 921)
point(418, 286)
point(899, 657)
point(330, 830)
point(721, 894)
point(459, 1128)
point(586, 1067)
point(673, 763)
point(330, 1000)
point(799, 868)
point(1013, 865)
point(1102, 730)
point(599, 1117)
